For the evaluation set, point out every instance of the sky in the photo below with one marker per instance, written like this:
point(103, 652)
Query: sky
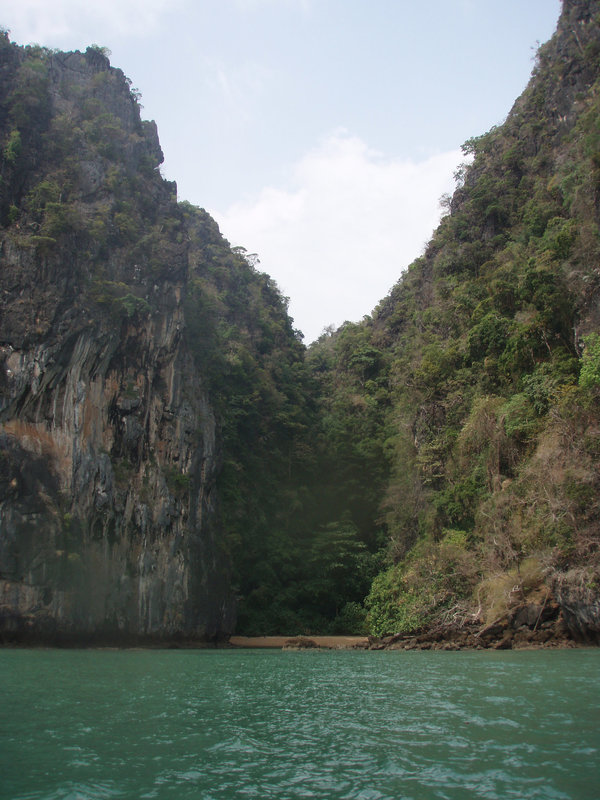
point(320, 134)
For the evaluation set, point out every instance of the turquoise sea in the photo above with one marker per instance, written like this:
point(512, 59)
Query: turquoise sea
point(204, 724)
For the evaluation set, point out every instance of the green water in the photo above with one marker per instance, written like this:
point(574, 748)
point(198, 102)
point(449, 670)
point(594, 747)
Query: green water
point(268, 724)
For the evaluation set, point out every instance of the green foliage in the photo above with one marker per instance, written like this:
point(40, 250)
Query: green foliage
point(105, 131)
point(46, 191)
point(131, 305)
point(488, 337)
point(29, 100)
point(407, 596)
point(560, 235)
point(115, 296)
point(544, 384)
point(394, 607)
point(252, 363)
point(339, 568)
point(177, 481)
point(43, 244)
point(12, 148)
point(519, 418)
point(589, 376)
point(127, 225)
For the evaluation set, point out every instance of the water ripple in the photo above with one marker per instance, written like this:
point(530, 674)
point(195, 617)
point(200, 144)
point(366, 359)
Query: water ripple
point(85, 725)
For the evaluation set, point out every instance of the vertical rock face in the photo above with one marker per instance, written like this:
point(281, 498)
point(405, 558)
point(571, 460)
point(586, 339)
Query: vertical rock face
point(108, 464)
point(108, 443)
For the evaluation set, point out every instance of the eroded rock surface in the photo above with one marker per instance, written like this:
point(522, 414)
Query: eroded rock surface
point(108, 442)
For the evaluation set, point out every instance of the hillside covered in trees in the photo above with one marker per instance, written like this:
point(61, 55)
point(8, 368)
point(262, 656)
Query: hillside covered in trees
point(175, 463)
point(462, 417)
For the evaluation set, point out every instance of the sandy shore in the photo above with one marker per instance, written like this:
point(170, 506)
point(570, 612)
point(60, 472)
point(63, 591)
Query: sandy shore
point(329, 642)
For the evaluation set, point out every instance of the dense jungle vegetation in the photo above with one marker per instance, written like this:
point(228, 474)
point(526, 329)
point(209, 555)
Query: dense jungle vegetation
point(417, 466)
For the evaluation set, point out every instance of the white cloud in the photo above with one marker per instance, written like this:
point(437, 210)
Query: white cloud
point(51, 22)
point(339, 238)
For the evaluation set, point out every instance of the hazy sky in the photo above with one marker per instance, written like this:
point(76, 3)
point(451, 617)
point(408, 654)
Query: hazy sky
point(320, 134)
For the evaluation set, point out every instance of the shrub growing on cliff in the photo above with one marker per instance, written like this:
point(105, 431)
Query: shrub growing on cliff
point(12, 148)
point(589, 377)
point(409, 595)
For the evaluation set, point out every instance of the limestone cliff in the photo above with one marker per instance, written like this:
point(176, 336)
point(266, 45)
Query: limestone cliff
point(109, 446)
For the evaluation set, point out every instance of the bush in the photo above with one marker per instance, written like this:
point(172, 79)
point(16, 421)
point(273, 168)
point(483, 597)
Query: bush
point(177, 481)
point(121, 303)
point(433, 577)
point(589, 376)
point(12, 150)
point(394, 607)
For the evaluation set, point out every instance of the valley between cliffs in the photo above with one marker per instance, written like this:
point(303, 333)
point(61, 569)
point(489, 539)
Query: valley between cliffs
point(177, 467)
